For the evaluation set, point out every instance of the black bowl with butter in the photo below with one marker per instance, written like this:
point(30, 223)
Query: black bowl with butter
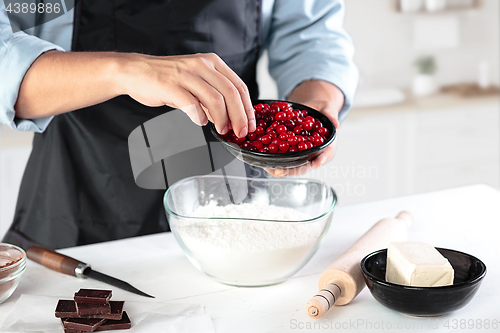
point(469, 272)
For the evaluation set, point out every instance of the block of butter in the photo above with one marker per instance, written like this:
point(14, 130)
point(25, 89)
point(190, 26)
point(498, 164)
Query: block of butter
point(417, 264)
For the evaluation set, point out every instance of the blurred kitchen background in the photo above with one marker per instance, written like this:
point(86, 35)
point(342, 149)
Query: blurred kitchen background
point(426, 116)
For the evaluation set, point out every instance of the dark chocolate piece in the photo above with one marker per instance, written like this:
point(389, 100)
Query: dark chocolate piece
point(111, 325)
point(85, 309)
point(116, 311)
point(66, 309)
point(83, 324)
point(69, 330)
point(94, 296)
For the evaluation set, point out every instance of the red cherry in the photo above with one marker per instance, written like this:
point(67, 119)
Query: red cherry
point(307, 125)
point(276, 141)
point(261, 123)
point(274, 108)
point(290, 124)
point(257, 144)
point(318, 140)
point(266, 139)
point(290, 133)
point(302, 146)
point(289, 114)
point(283, 136)
point(283, 105)
point(284, 146)
point(280, 116)
point(297, 129)
point(323, 131)
point(309, 145)
point(252, 136)
point(260, 130)
point(281, 129)
point(258, 107)
point(246, 145)
point(274, 125)
point(292, 140)
point(309, 118)
point(273, 148)
point(263, 150)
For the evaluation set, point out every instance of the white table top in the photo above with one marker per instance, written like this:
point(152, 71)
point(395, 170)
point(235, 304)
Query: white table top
point(466, 219)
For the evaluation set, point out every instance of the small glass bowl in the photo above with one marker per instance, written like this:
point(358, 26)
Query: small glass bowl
point(244, 251)
point(10, 275)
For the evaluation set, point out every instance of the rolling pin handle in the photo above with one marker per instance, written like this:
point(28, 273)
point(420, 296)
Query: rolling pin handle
point(323, 300)
point(405, 216)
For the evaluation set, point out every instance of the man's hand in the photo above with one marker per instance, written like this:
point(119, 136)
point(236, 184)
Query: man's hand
point(326, 98)
point(200, 80)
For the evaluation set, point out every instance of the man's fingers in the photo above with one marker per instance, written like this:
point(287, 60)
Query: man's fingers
point(240, 86)
point(234, 107)
point(324, 157)
point(212, 100)
point(291, 171)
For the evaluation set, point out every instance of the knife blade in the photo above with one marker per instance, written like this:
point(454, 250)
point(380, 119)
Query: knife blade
point(64, 264)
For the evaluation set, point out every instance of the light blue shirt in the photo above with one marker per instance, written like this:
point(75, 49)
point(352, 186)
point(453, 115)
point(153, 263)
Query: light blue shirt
point(304, 38)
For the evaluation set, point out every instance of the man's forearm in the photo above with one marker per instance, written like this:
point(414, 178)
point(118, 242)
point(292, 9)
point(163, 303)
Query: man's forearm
point(59, 82)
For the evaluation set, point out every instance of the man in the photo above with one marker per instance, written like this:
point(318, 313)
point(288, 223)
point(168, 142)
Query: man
point(126, 62)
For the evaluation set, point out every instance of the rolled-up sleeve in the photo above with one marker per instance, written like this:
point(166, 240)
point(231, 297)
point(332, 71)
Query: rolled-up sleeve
point(17, 52)
point(307, 41)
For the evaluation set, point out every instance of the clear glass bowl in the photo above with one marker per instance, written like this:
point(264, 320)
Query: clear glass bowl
point(253, 251)
point(13, 264)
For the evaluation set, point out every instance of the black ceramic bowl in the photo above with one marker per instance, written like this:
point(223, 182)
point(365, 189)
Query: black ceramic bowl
point(277, 160)
point(425, 301)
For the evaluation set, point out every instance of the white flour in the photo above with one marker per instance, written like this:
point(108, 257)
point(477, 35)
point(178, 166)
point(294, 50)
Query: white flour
point(249, 252)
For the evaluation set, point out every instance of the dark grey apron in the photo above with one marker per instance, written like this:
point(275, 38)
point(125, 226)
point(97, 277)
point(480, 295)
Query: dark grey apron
point(78, 187)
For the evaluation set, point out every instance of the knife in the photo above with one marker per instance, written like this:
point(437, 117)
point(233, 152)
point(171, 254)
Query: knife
point(64, 264)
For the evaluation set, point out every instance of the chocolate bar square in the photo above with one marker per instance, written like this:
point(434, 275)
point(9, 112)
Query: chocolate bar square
point(83, 324)
point(95, 296)
point(111, 325)
point(85, 309)
point(66, 309)
point(69, 330)
point(116, 311)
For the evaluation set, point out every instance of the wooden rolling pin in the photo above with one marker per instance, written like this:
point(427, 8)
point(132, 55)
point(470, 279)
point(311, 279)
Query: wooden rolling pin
point(343, 280)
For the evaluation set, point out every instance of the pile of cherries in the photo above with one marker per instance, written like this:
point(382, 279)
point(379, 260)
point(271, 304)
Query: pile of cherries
point(281, 129)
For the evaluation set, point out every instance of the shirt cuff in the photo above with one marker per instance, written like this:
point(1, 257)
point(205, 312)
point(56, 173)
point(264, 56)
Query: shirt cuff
point(18, 51)
point(340, 72)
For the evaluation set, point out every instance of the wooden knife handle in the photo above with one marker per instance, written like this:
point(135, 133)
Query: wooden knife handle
point(53, 260)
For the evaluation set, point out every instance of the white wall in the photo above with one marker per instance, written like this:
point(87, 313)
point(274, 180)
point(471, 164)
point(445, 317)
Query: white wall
point(385, 50)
